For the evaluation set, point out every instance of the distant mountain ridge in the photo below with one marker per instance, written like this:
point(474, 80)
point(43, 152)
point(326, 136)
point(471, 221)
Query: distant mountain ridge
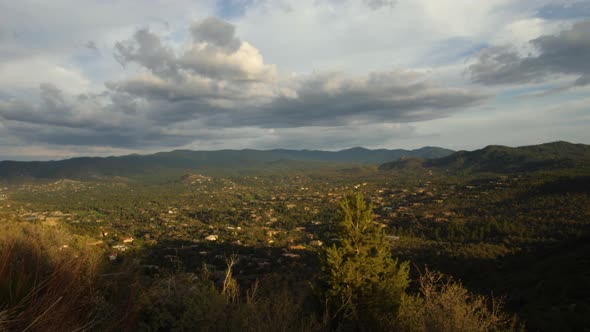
point(194, 160)
point(503, 159)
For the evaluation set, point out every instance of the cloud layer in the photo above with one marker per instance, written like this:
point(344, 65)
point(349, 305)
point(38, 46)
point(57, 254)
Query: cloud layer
point(566, 53)
point(216, 81)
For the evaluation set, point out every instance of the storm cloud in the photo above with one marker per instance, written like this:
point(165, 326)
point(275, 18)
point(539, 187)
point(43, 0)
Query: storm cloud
point(214, 53)
point(335, 99)
point(221, 86)
point(566, 53)
point(216, 83)
point(217, 33)
point(219, 82)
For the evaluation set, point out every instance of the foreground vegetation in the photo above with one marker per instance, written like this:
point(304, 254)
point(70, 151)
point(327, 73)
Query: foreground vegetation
point(292, 251)
point(362, 288)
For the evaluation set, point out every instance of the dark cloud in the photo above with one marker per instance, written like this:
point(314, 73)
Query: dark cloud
point(119, 136)
point(216, 32)
point(146, 49)
point(566, 53)
point(220, 89)
point(82, 121)
point(230, 91)
point(52, 109)
point(335, 99)
point(215, 53)
point(91, 45)
point(153, 88)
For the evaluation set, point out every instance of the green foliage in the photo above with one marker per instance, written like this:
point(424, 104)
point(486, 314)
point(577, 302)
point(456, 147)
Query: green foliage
point(190, 302)
point(364, 283)
point(503, 159)
point(183, 302)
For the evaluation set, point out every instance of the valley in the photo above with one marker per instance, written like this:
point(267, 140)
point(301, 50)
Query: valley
point(500, 232)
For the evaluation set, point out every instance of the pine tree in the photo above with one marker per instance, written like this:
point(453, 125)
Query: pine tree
point(364, 283)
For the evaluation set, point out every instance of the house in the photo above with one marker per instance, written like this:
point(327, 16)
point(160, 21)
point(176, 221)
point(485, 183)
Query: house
point(128, 240)
point(120, 247)
point(291, 255)
point(212, 238)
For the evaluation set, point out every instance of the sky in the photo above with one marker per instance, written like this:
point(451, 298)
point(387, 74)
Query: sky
point(114, 77)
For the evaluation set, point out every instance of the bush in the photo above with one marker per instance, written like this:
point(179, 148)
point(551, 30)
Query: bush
point(189, 302)
point(444, 305)
point(183, 302)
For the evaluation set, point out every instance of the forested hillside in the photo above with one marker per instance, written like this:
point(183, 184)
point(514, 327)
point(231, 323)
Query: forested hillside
point(503, 159)
point(344, 247)
point(186, 160)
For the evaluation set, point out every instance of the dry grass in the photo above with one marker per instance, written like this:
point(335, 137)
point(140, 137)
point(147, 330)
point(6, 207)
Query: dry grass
point(46, 279)
point(230, 288)
point(444, 305)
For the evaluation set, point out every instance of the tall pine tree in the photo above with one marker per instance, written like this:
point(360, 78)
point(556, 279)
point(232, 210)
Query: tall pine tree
point(363, 282)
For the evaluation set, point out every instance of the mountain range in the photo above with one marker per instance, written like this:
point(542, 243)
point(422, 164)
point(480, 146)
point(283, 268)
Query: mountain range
point(199, 160)
point(493, 158)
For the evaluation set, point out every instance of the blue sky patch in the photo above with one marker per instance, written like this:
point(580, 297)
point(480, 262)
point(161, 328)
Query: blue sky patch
point(229, 9)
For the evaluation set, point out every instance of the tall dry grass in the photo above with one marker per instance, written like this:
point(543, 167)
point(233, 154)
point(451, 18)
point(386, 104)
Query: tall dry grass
point(445, 305)
point(47, 279)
